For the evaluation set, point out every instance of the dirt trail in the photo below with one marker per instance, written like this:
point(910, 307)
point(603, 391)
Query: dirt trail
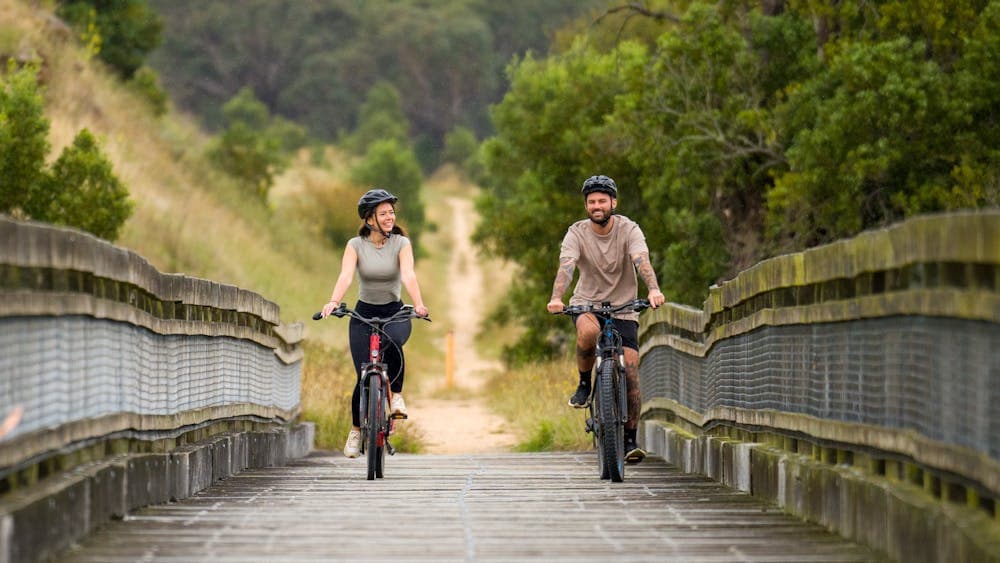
point(463, 424)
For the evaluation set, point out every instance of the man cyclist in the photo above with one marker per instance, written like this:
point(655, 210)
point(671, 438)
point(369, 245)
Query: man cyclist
point(608, 250)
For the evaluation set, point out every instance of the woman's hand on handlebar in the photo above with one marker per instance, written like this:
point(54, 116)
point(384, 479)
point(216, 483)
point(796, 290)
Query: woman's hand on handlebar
point(329, 308)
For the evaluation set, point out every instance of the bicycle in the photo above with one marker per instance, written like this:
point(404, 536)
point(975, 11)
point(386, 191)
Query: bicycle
point(377, 423)
point(608, 408)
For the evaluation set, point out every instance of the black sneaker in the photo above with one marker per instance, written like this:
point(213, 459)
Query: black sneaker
point(580, 399)
point(633, 453)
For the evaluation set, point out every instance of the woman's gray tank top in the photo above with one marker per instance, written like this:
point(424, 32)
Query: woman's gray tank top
point(378, 269)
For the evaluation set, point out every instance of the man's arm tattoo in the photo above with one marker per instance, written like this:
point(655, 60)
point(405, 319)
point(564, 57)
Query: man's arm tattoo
point(564, 276)
point(645, 269)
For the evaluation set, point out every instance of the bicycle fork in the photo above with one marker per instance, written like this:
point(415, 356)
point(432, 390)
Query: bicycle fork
point(383, 425)
point(622, 388)
point(590, 424)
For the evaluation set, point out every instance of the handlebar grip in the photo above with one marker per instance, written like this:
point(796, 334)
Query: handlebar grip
point(318, 316)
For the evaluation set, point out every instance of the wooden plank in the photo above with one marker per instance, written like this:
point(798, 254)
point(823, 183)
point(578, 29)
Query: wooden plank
point(546, 506)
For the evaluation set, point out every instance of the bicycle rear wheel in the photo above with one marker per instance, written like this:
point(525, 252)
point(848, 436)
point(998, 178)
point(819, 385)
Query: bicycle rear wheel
point(375, 445)
point(611, 430)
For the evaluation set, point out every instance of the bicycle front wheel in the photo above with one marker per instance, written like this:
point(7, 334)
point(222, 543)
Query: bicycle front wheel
point(611, 430)
point(376, 427)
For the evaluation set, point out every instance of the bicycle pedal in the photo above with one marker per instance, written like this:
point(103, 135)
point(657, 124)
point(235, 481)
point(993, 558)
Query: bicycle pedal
point(398, 416)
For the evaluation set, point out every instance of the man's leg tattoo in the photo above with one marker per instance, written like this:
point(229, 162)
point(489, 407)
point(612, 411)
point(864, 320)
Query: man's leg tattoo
point(634, 394)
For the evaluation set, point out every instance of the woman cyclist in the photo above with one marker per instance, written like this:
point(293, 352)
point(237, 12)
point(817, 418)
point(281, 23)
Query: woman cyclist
point(383, 258)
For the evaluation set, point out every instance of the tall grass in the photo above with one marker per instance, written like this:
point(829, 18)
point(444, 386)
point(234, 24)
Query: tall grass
point(328, 379)
point(533, 399)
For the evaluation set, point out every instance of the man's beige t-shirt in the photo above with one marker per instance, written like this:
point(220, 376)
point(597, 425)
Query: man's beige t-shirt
point(604, 261)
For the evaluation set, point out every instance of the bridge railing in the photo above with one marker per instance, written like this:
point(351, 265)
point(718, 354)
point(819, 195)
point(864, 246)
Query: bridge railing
point(109, 357)
point(880, 353)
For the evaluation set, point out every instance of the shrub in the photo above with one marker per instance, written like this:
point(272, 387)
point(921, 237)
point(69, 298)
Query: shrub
point(80, 190)
point(255, 147)
point(146, 83)
point(85, 192)
point(23, 141)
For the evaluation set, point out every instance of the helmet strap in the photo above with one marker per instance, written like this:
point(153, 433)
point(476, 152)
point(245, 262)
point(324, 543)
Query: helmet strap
point(379, 227)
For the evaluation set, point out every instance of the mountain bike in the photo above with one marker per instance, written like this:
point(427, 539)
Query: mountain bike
point(608, 410)
point(377, 423)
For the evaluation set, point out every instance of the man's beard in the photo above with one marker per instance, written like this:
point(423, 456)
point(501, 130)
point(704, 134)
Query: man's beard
point(603, 222)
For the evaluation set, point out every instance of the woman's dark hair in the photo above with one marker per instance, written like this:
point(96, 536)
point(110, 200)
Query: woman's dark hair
point(365, 230)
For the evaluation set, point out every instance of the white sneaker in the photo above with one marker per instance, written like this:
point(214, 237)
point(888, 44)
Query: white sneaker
point(353, 446)
point(397, 406)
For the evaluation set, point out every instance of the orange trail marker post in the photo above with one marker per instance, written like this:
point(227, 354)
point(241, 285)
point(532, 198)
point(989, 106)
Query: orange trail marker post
point(449, 360)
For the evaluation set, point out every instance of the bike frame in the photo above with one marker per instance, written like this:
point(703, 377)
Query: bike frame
point(374, 368)
point(608, 431)
point(375, 429)
point(610, 349)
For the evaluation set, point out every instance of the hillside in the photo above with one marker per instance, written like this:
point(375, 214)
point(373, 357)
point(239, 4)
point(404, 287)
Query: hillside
point(187, 218)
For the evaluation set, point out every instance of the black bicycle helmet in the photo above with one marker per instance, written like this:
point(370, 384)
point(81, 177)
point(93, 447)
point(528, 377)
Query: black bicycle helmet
point(600, 183)
point(372, 199)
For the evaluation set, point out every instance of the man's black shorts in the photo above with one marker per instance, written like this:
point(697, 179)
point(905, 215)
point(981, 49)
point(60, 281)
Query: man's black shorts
point(628, 329)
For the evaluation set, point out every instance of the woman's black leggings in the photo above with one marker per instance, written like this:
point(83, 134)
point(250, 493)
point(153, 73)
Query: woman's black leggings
point(392, 348)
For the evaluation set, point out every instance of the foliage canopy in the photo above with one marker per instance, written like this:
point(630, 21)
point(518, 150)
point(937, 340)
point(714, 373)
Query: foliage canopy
point(314, 62)
point(739, 131)
point(122, 32)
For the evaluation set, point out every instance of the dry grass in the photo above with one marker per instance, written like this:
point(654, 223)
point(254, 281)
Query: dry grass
point(534, 399)
point(328, 380)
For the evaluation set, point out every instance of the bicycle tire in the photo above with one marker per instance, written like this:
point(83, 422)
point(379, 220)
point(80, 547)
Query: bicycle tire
point(380, 460)
point(595, 432)
point(610, 426)
point(376, 418)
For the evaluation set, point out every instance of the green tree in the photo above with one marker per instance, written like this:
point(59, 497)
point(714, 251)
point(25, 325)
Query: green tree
point(85, 192)
point(381, 118)
point(462, 149)
point(254, 147)
point(390, 165)
point(743, 130)
point(872, 144)
point(146, 84)
point(128, 30)
point(81, 189)
point(313, 61)
point(459, 145)
point(552, 133)
point(23, 141)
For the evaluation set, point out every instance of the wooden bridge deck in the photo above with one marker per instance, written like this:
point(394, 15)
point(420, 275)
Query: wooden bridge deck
point(548, 507)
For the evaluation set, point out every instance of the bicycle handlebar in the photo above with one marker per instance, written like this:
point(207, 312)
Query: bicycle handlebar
point(407, 312)
point(636, 305)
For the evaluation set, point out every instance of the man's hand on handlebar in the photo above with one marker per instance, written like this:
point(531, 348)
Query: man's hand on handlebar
point(656, 298)
point(555, 306)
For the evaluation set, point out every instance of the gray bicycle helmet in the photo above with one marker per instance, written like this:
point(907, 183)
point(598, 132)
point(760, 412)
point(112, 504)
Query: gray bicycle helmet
point(372, 199)
point(600, 183)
